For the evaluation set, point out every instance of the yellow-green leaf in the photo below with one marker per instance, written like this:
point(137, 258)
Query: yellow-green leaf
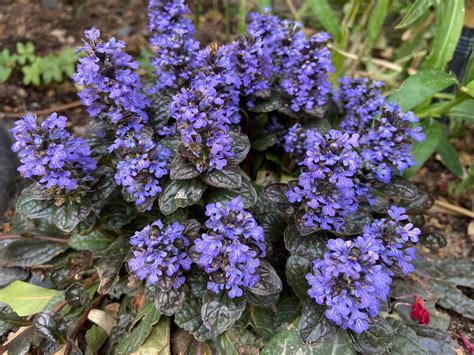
point(449, 23)
point(158, 342)
point(25, 298)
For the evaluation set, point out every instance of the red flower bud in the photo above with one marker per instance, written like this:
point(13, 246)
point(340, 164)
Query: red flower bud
point(419, 312)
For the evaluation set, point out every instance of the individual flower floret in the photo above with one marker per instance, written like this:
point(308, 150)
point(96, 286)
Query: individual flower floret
point(326, 187)
point(231, 249)
point(359, 102)
point(50, 155)
point(389, 143)
point(172, 32)
point(396, 240)
point(350, 282)
point(160, 255)
point(112, 89)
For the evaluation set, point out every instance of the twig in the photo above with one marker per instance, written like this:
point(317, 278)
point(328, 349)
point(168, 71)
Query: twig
point(380, 62)
point(39, 237)
point(454, 208)
point(46, 111)
point(292, 9)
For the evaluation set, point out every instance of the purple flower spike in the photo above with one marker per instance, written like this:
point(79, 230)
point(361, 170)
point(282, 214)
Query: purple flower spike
point(397, 239)
point(350, 282)
point(160, 255)
point(50, 155)
point(231, 249)
point(326, 187)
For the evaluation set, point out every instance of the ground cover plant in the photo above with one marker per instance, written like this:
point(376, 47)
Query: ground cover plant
point(238, 199)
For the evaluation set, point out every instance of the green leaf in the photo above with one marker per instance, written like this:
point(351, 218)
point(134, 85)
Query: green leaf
point(246, 192)
point(96, 240)
point(375, 340)
point(25, 52)
point(76, 295)
point(189, 319)
point(464, 111)
point(181, 170)
point(52, 326)
point(449, 156)
point(470, 88)
point(236, 341)
point(169, 302)
point(449, 23)
point(399, 187)
point(67, 216)
point(467, 181)
point(269, 282)
point(288, 342)
point(32, 73)
point(264, 141)
point(450, 297)
point(30, 252)
point(110, 264)
point(180, 193)
point(148, 317)
point(240, 146)
point(422, 151)
point(219, 312)
point(95, 338)
point(26, 299)
point(310, 246)
point(421, 86)
point(268, 217)
point(296, 269)
point(261, 319)
point(10, 274)
point(33, 203)
point(313, 326)
point(277, 194)
point(406, 341)
point(417, 9)
point(327, 17)
point(376, 21)
point(158, 343)
point(227, 178)
point(267, 105)
point(288, 309)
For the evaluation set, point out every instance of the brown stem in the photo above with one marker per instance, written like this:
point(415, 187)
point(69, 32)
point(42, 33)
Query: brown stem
point(46, 111)
point(39, 237)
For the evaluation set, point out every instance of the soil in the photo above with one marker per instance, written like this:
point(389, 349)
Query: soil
point(55, 24)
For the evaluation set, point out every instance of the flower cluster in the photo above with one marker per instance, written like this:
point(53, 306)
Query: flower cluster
point(350, 282)
point(355, 275)
point(141, 168)
point(359, 103)
point(389, 143)
point(303, 66)
point(112, 89)
point(50, 155)
point(160, 255)
point(113, 92)
point(231, 249)
point(172, 33)
point(326, 185)
point(396, 238)
point(204, 113)
point(253, 64)
point(306, 73)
